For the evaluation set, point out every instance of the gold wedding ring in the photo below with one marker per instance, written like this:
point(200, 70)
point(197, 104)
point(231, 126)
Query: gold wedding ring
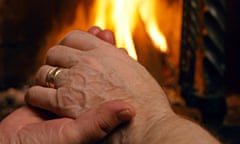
point(51, 76)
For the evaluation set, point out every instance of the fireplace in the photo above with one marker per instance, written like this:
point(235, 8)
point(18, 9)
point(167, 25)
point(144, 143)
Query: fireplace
point(202, 61)
point(190, 61)
point(180, 42)
point(186, 52)
point(149, 30)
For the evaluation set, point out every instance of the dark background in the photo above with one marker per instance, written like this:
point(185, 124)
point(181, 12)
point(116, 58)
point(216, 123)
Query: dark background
point(24, 25)
point(232, 46)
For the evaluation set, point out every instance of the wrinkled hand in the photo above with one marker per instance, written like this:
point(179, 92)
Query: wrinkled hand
point(95, 71)
point(26, 126)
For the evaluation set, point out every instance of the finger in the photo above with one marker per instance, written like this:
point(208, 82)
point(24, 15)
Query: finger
point(59, 79)
point(90, 127)
point(95, 124)
point(44, 98)
point(81, 40)
point(60, 102)
point(94, 30)
point(42, 73)
point(107, 36)
point(63, 56)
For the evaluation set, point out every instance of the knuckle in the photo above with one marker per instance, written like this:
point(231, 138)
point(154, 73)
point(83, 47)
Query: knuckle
point(89, 60)
point(105, 121)
point(31, 91)
point(65, 99)
point(104, 125)
point(70, 35)
point(28, 96)
point(73, 32)
point(70, 103)
point(51, 52)
point(40, 76)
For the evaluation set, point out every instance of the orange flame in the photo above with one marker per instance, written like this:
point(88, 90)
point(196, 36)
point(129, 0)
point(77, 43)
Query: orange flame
point(123, 16)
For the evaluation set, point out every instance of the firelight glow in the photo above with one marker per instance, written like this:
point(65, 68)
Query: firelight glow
point(122, 16)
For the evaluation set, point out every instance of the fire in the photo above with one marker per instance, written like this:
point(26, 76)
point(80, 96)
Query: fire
point(122, 16)
point(148, 15)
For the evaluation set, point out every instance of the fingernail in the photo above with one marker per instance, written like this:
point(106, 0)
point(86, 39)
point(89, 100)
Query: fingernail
point(125, 115)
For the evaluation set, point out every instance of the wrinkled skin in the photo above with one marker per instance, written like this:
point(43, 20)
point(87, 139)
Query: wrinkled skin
point(29, 126)
point(95, 71)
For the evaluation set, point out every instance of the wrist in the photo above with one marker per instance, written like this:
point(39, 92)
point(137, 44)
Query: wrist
point(179, 130)
point(148, 126)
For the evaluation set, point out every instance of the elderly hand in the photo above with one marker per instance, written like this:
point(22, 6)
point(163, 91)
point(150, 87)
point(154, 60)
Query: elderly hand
point(26, 126)
point(94, 71)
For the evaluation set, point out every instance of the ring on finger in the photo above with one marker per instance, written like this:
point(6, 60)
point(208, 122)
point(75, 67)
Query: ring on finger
point(51, 76)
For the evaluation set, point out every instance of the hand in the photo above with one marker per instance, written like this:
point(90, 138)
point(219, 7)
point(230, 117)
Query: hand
point(95, 72)
point(26, 126)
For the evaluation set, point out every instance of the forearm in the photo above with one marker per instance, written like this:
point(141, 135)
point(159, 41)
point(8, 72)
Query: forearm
point(180, 131)
point(157, 123)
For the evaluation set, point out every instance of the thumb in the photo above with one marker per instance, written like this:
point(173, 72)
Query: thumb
point(89, 127)
point(95, 124)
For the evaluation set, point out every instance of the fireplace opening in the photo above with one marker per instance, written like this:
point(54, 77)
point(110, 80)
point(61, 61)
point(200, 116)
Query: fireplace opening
point(181, 43)
point(149, 30)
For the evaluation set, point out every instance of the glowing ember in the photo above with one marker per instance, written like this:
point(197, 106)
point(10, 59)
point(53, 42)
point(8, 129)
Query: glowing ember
point(122, 16)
